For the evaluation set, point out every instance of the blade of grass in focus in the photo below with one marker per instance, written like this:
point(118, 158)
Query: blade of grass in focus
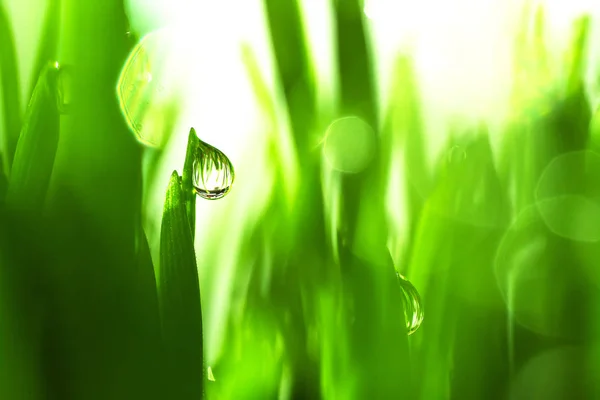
point(179, 298)
point(37, 145)
point(9, 80)
point(189, 195)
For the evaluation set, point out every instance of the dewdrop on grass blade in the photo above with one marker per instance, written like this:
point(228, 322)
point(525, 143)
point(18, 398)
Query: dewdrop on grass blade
point(413, 311)
point(213, 172)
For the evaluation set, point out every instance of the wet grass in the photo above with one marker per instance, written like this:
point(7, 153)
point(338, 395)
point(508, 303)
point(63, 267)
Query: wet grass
point(504, 283)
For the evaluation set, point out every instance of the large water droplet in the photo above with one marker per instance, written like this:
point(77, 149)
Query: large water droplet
point(147, 88)
point(213, 172)
point(349, 144)
point(413, 311)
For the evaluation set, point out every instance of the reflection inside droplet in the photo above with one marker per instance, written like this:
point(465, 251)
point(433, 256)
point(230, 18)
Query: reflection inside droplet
point(211, 376)
point(413, 311)
point(213, 173)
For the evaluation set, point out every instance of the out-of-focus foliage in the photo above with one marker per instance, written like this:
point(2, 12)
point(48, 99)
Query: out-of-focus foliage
point(499, 242)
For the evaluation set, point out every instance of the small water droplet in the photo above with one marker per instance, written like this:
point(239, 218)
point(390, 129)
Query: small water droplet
point(456, 155)
point(413, 311)
point(213, 173)
point(211, 377)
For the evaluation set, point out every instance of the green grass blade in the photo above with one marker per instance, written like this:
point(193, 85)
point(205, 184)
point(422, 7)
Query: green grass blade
point(179, 298)
point(9, 79)
point(3, 181)
point(403, 137)
point(37, 145)
point(189, 194)
point(354, 62)
point(294, 67)
point(48, 43)
point(577, 55)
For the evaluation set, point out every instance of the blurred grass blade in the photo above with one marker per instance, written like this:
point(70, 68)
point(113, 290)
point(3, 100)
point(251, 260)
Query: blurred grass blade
point(9, 82)
point(354, 62)
point(36, 148)
point(577, 54)
point(48, 43)
point(403, 138)
point(19, 371)
point(294, 67)
point(189, 194)
point(179, 298)
point(3, 181)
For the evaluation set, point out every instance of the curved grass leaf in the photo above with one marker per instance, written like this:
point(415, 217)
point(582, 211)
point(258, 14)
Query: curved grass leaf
point(3, 181)
point(48, 44)
point(9, 79)
point(354, 60)
point(179, 298)
point(36, 148)
point(293, 66)
point(189, 194)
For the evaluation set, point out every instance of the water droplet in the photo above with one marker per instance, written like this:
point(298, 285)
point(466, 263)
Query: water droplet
point(413, 311)
point(456, 155)
point(349, 144)
point(213, 172)
point(146, 88)
point(211, 377)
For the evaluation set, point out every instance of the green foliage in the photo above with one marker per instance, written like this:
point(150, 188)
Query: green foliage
point(501, 242)
point(179, 298)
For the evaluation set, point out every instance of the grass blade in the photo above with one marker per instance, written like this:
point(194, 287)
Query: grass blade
point(189, 194)
point(179, 298)
point(9, 77)
point(48, 44)
point(3, 181)
point(354, 61)
point(36, 148)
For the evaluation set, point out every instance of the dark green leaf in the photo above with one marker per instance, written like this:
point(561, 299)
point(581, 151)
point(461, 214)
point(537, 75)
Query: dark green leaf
point(36, 148)
point(9, 80)
point(179, 298)
point(48, 44)
point(189, 194)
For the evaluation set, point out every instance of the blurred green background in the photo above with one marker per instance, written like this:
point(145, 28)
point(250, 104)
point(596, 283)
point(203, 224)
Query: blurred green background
point(415, 212)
